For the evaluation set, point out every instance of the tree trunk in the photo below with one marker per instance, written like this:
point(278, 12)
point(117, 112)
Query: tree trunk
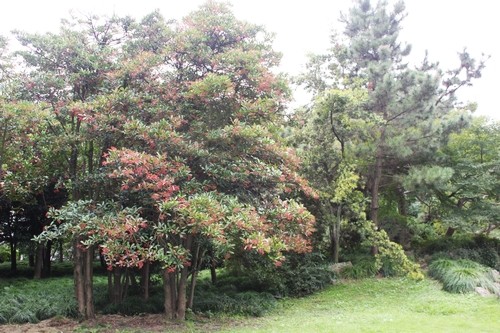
point(402, 203)
point(39, 261)
point(46, 263)
point(145, 280)
point(336, 235)
point(61, 251)
point(377, 176)
point(181, 295)
point(110, 286)
point(116, 295)
point(13, 256)
point(83, 275)
point(102, 260)
point(197, 261)
point(79, 278)
point(213, 268)
point(168, 286)
point(89, 290)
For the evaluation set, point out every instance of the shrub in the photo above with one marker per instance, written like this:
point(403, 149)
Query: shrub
point(363, 266)
point(135, 305)
point(481, 249)
point(249, 303)
point(462, 276)
point(299, 275)
point(391, 260)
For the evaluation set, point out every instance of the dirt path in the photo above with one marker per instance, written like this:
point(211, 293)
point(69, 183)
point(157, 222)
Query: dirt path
point(111, 323)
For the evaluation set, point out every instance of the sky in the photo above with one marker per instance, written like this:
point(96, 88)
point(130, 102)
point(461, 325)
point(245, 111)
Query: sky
point(443, 27)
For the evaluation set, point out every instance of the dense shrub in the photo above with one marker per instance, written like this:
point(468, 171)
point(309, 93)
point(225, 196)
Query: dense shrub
point(299, 275)
point(462, 276)
point(363, 266)
point(481, 249)
point(250, 303)
point(135, 305)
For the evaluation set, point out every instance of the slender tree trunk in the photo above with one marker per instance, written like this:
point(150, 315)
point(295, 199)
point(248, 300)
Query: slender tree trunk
point(169, 303)
point(181, 295)
point(213, 268)
point(89, 290)
point(110, 286)
point(13, 256)
point(402, 203)
point(117, 286)
point(79, 277)
point(46, 263)
point(336, 235)
point(377, 176)
point(145, 280)
point(102, 260)
point(39, 261)
point(197, 259)
point(61, 251)
point(126, 283)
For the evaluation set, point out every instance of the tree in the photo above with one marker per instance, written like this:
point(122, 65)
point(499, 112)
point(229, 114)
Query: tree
point(187, 122)
point(66, 71)
point(462, 189)
point(405, 105)
point(326, 143)
point(27, 174)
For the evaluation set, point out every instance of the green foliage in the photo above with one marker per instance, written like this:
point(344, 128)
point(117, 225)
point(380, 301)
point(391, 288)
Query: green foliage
point(135, 305)
point(363, 266)
point(461, 189)
point(391, 259)
point(248, 303)
point(462, 276)
point(4, 253)
point(298, 275)
point(481, 249)
point(30, 301)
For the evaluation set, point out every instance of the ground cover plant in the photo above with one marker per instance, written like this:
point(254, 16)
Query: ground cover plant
point(25, 300)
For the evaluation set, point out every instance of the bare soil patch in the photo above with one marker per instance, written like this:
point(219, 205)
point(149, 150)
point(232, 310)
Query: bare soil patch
point(151, 323)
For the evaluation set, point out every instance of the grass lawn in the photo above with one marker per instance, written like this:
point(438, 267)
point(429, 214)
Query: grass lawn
point(382, 305)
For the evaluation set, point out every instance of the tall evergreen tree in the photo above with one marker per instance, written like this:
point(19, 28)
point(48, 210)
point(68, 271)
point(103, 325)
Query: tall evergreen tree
point(408, 111)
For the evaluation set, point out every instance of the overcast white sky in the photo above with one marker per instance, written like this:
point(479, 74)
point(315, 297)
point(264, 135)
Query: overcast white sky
point(443, 27)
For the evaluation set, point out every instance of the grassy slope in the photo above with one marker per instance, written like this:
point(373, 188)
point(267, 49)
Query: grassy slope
point(384, 305)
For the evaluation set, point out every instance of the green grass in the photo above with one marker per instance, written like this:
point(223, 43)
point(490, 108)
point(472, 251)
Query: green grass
point(382, 305)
